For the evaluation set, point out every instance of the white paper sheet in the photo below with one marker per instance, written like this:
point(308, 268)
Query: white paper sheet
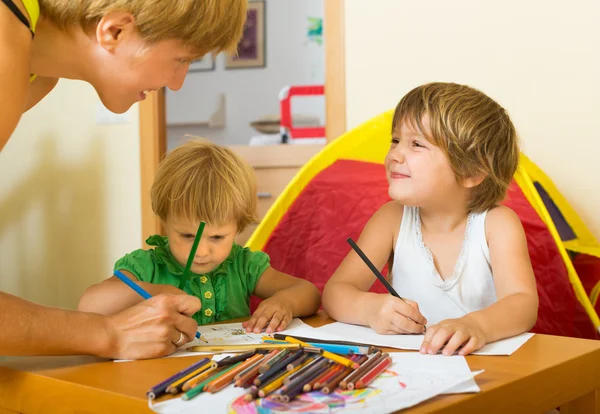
point(338, 331)
point(411, 379)
point(221, 334)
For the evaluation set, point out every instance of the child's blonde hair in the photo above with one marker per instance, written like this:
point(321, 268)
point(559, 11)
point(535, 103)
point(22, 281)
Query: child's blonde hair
point(203, 25)
point(473, 130)
point(203, 181)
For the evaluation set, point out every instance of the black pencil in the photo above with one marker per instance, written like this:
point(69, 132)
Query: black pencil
point(373, 268)
point(376, 272)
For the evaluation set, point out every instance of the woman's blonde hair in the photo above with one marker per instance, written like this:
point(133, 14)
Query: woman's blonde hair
point(473, 130)
point(203, 25)
point(205, 182)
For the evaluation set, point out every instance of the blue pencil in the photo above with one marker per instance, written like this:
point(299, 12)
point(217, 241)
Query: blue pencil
point(335, 348)
point(138, 289)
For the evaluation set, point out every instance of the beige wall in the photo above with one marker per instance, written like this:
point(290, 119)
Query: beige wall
point(69, 197)
point(540, 59)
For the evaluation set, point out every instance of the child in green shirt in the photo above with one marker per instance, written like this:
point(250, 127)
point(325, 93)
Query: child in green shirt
point(201, 181)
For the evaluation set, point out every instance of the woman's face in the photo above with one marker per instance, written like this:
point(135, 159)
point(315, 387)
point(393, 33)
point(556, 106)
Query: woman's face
point(128, 67)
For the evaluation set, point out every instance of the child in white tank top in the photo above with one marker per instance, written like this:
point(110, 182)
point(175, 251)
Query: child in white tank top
point(458, 258)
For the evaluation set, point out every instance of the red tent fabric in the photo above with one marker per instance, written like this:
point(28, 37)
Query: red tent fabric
point(310, 240)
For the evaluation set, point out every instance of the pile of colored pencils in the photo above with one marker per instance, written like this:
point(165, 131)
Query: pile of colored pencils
point(281, 374)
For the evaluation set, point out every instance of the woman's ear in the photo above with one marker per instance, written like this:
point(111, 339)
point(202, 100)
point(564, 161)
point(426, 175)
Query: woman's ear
point(113, 27)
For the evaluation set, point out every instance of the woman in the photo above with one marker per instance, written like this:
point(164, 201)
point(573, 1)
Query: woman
point(125, 49)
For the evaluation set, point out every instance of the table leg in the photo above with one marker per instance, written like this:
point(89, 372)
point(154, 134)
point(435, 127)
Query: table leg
point(586, 404)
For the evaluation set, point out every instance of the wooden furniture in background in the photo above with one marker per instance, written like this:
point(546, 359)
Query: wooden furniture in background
point(275, 166)
point(335, 69)
point(153, 146)
point(546, 372)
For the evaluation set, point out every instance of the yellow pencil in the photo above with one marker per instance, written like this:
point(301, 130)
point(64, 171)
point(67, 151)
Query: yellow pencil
point(192, 382)
point(221, 348)
point(175, 388)
point(269, 388)
point(329, 355)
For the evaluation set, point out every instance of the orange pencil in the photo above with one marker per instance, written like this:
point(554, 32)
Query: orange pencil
point(192, 382)
point(327, 375)
point(221, 382)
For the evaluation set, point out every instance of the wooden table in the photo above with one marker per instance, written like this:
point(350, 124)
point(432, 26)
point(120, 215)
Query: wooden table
point(546, 372)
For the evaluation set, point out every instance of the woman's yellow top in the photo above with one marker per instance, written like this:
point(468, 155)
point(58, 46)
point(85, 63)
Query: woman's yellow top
point(33, 10)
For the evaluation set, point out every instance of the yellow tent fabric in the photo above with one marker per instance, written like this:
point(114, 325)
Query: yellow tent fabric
point(370, 142)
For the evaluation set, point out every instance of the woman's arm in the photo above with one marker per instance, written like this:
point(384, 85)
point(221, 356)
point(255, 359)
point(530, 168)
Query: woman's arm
point(351, 281)
point(15, 51)
point(147, 330)
point(112, 295)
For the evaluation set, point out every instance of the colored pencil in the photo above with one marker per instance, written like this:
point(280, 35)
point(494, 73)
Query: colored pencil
point(139, 290)
point(160, 388)
point(325, 370)
point(276, 368)
point(188, 265)
point(198, 389)
point(305, 375)
point(319, 382)
point(351, 383)
point(175, 388)
point(298, 387)
point(193, 382)
point(364, 366)
point(326, 354)
point(250, 367)
point(331, 385)
point(304, 358)
point(278, 383)
point(269, 364)
point(311, 363)
point(374, 373)
point(225, 379)
point(236, 359)
point(232, 348)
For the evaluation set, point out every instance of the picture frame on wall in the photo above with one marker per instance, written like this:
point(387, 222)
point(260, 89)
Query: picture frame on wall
point(203, 64)
point(251, 48)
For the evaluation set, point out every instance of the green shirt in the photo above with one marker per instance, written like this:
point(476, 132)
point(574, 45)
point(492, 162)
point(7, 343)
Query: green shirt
point(225, 292)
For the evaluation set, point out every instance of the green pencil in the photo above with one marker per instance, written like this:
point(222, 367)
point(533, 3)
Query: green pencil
point(188, 265)
point(200, 387)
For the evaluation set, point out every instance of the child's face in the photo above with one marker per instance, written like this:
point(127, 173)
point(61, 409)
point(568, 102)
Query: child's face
point(419, 172)
point(214, 246)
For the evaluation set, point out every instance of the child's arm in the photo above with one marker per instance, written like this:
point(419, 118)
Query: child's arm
point(346, 297)
point(515, 311)
point(112, 295)
point(285, 297)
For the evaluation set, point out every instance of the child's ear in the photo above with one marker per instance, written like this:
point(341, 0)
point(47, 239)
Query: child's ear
point(473, 181)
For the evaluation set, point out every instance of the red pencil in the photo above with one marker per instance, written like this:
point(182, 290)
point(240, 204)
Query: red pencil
point(371, 375)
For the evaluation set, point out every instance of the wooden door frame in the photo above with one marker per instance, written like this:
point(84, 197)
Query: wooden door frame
point(153, 142)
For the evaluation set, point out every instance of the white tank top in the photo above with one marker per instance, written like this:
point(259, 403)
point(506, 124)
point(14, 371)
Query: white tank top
point(414, 276)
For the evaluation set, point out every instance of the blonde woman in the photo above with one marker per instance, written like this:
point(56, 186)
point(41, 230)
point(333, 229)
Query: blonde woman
point(124, 49)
